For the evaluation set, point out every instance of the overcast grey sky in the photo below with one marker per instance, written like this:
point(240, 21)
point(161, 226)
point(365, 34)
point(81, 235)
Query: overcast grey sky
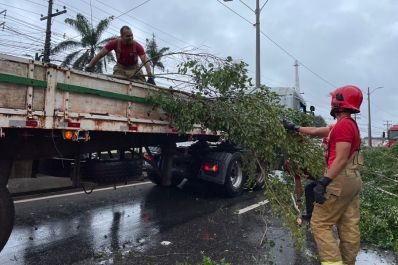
point(336, 42)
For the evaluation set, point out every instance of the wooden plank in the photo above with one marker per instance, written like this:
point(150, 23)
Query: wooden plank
point(49, 105)
point(14, 79)
point(100, 93)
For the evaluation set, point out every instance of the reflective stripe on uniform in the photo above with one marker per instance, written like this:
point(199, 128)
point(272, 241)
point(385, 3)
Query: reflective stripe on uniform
point(332, 262)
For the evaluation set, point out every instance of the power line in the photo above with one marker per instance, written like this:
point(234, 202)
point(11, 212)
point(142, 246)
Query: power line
point(264, 5)
point(378, 108)
point(23, 34)
point(160, 30)
point(35, 3)
point(300, 62)
point(128, 11)
point(97, 19)
point(236, 13)
point(22, 9)
point(388, 124)
point(280, 47)
point(77, 11)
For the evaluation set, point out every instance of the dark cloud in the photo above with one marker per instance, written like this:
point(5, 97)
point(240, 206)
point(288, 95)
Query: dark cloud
point(344, 42)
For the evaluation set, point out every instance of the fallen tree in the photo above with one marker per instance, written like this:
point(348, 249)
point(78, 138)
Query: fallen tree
point(379, 198)
point(223, 99)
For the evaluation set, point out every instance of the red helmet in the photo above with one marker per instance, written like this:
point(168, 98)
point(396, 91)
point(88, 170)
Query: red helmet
point(346, 98)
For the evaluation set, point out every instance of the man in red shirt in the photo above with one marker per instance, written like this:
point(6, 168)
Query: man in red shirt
point(127, 52)
point(337, 193)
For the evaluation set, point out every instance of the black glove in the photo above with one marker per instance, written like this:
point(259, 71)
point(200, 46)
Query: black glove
point(88, 69)
point(320, 189)
point(151, 80)
point(290, 126)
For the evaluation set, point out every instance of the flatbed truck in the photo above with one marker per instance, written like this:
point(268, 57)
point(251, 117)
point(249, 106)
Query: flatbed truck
point(48, 112)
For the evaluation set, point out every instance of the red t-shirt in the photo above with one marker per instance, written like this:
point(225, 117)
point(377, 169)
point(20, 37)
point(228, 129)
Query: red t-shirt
point(345, 130)
point(127, 56)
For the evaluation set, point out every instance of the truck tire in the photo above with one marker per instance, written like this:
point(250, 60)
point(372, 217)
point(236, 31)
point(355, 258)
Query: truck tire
point(156, 178)
point(55, 167)
point(260, 178)
point(260, 181)
point(109, 171)
point(6, 216)
point(234, 177)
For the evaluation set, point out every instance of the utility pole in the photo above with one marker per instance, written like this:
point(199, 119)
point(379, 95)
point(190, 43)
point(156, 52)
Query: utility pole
point(296, 74)
point(387, 124)
point(369, 122)
point(257, 12)
point(258, 73)
point(47, 43)
point(369, 119)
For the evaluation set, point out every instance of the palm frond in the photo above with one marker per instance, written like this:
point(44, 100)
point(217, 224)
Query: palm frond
point(80, 24)
point(155, 55)
point(81, 61)
point(160, 66)
point(90, 42)
point(104, 41)
point(99, 66)
point(163, 50)
point(65, 45)
point(110, 57)
point(102, 26)
point(70, 57)
point(105, 65)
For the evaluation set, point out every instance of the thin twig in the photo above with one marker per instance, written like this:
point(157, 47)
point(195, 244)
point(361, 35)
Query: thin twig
point(387, 192)
point(295, 204)
point(265, 232)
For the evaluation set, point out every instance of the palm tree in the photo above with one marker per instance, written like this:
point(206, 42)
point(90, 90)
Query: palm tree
point(155, 55)
point(85, 49)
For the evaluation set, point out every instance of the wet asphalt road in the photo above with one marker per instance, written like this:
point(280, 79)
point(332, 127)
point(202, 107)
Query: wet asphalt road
point(132, 225)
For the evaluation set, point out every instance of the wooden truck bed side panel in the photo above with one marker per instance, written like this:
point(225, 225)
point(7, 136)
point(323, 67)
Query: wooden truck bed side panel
point(33, 94)
point(12, 96)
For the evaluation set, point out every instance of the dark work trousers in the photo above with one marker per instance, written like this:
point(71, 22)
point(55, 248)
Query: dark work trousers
point(309, 197)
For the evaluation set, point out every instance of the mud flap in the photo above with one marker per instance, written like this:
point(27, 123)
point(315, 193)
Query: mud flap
point(6, 216)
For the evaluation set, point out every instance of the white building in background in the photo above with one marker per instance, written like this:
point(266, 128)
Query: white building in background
point(376, 141)
point(291, 98)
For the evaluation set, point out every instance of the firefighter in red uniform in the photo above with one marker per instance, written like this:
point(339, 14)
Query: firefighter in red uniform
point(337, 193)
point(127, 53)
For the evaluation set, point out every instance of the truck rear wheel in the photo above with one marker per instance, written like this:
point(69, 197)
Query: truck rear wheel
point(260, 179)
point(154, 176)
point(6, 216)
point(108, 171)
point(260, 182)
point(234, 178)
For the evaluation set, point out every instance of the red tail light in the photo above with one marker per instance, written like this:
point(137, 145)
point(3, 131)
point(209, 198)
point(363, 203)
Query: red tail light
point(148, 157)
point(31, 123)
point(211, 168)
point(133, 128)
point(73, 124)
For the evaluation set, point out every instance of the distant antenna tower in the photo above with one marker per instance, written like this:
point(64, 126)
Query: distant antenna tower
point(4, 22)
point(296, 72)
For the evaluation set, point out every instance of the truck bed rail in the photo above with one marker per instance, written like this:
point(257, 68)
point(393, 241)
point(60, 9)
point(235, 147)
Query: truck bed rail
point(38, 95)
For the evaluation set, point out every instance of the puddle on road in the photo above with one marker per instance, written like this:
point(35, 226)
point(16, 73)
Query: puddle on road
point(375, 257)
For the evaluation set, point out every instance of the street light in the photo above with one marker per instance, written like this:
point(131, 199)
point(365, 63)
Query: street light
point(369, 119)
point(257, 11)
